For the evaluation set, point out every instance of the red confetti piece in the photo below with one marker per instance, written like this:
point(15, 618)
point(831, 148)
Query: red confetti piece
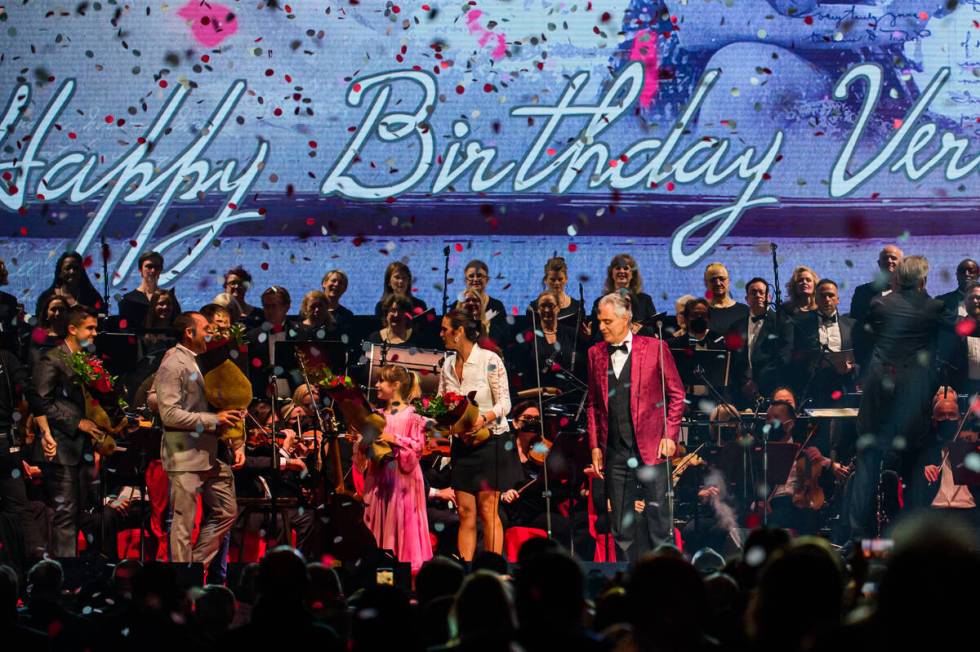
point(458, 247)
point(87, 262)
point(72, 135)
point(670, 186)
point(163, 83)
point(123, 323)
point(265, 267)
point(836, 394)
point(109, 119)
point(460, 89)
point(312, 144)
point(256, 363)
point(965, 327)
point(572, 247)
point(23, 230)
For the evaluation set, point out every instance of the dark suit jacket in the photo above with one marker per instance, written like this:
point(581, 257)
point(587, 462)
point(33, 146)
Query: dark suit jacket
point(642, 307)
point(10, 322)
point(954, 364)
point(951, 302)
point(646, 396)
point(766, 363)
point(801, 355)
point(903, 325)
point(63, 403)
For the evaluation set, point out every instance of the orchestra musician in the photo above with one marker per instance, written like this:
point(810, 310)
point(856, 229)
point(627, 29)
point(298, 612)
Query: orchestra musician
point(394, 489)
point(634, 408)
point(754, 342)
point(480, 471)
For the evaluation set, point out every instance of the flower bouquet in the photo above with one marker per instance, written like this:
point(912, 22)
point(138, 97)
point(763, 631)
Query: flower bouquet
point(357, 412)
point(104, 402)
point(225, 385)
point(454, 414)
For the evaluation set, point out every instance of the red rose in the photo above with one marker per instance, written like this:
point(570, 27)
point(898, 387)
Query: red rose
point(103, 385)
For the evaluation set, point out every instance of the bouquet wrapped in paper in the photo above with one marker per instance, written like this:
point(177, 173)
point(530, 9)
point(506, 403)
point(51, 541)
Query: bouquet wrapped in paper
point(454, 414)
point(104, 401)
point(357, 412)
point(225, 385)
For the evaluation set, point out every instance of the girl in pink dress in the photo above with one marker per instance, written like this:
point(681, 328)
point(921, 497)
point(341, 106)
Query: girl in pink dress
point(394, 491)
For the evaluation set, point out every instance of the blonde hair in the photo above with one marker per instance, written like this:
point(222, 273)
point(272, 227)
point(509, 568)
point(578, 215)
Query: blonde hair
point(484, 299)
point(409, 381)
point(791, 283)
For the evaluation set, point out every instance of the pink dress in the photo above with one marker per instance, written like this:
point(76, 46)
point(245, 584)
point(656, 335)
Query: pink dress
point(394, 492)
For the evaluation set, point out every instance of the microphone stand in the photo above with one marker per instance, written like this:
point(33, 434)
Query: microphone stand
point(775, 275)
point(544, 467)
point(670, 474)
point(445, 281)
point(578, 324)
point(276, 472)
point(105, 275)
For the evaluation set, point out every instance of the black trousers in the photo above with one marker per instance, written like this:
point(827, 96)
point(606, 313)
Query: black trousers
point(14, 509)
point(626, 482)
point(66, 488)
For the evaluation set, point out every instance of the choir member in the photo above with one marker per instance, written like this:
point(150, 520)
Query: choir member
point(394, 489)
point(556, 280)
point(801, 289)
point(556, 342)
point(754, 342)
point(398, 281)
point(623, 275)
point(134, 305)
point(494, 315)
point(725, 311)
point(334, 285)
point(884, 281)
point(481, 471)
point(960, 346)
point(494, 336)
point(72, 282)
point(398, 329)
point(237, 284)
point(699, 335)
point(315, 324)
point(966, 272)
point(52, 325)
point(262, 340)
point(680, 326)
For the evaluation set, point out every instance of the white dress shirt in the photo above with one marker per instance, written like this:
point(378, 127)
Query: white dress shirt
point(618, 358)
point(755, 327)
point(830, 337)
point(484, 373)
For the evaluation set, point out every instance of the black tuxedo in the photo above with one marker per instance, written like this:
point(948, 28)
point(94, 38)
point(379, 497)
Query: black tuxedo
point(766, 364)
point(802, 353)
point(954, 363)
point(951, 302)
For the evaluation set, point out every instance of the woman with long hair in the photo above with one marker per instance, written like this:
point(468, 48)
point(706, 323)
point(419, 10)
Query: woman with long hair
point(51, 328)
point(396, 316)
point(394, 489)
point(398, 281)
point(316, 322)
point(623, 275)
point(802, 290)
point(479, 471)
point(134, 305)
point(72, 282)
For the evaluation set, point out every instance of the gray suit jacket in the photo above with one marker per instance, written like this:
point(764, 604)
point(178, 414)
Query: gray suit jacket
point(190, 441)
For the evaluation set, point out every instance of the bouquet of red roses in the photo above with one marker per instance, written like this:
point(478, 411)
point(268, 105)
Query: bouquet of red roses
point(104, 401)
point(225, 383)
point(357, 412)
point(454, 414)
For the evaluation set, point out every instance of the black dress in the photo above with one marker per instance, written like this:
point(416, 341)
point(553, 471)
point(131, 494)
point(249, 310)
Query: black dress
point(134, 306)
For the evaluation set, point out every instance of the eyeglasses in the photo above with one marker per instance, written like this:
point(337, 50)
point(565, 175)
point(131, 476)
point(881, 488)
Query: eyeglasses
point(475, 277)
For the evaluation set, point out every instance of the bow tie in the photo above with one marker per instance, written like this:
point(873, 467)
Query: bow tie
point(757, 318)
point(696, 342)
point(829, 320)
point(618, 347)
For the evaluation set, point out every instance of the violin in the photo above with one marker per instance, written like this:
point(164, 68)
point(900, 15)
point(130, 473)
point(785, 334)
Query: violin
point(682, 461)
point(807, 492)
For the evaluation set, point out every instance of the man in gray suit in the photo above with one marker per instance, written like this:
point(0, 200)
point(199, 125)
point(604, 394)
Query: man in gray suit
point(189, 449)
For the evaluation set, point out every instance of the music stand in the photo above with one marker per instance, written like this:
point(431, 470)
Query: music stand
point(739, 463)
point(427, 363)
point(692, 363)
point(120, 351)
point(841, 361)
point(959, 451)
